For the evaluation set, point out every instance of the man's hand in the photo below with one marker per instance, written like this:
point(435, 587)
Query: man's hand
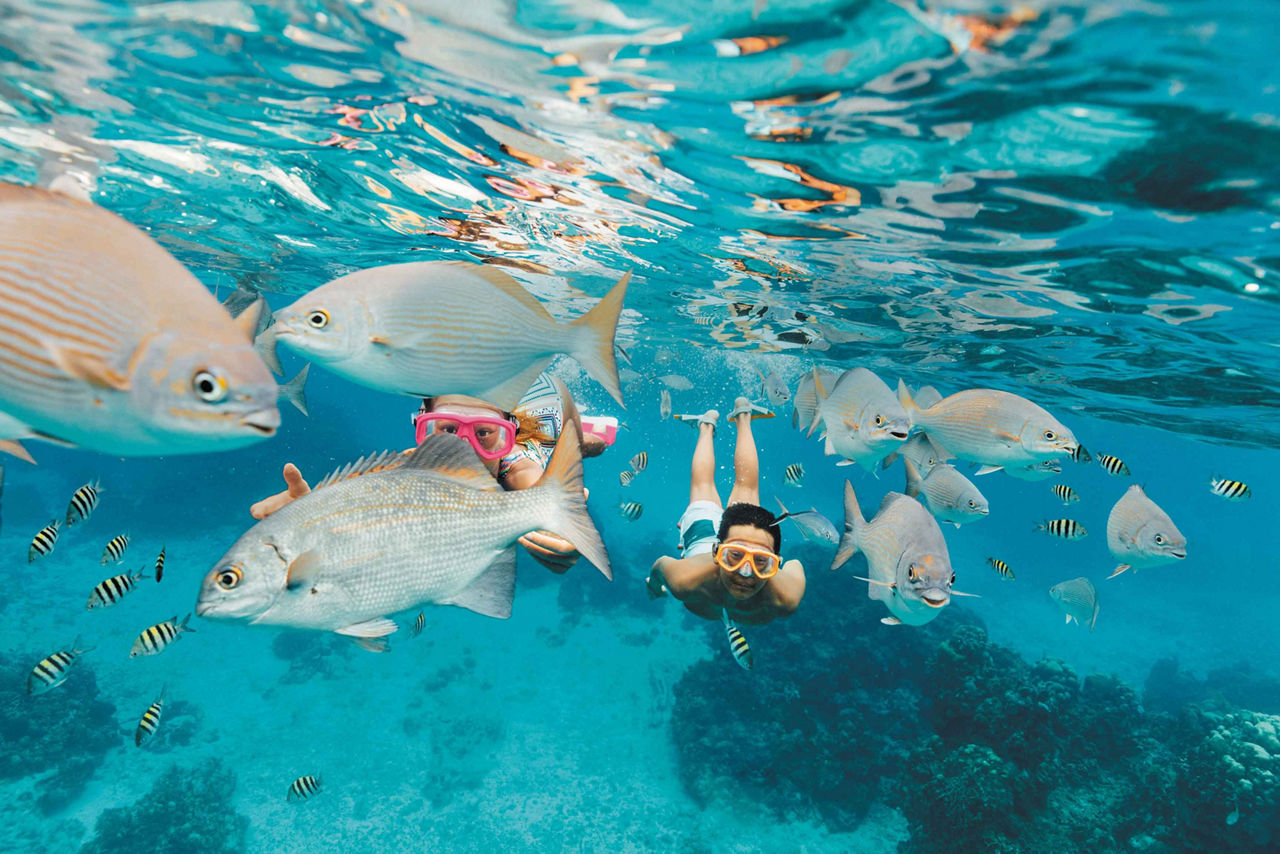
point(554, 552)
point(297, 487)
point(655, 591)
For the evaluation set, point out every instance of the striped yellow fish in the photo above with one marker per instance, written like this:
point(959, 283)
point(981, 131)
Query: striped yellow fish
point(438, 327)
point(1002, 569)
point(1081, 455)
point(1065, 494)
point(793, 475)
point(154, 639)
point(420, 623)
point(625, 477)
point(95, 316)
point(1063, 529)
point(44, 541)
point(150, 721)
point(83, 502)
point(737, 643)
point(303, 788)
point(1232, 490)
point(113, 589)
point(631, 510)
point(52, 671)
point(160, 565)
point(1113, 466)
point(640, 462)
point(114, 552)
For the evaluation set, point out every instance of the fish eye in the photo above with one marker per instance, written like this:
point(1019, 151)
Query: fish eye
point(1159, 539)
point(953, 579)
point(230, 577)
point(879, 420)
point(209, 387)
point(1050, 435)
point(318, 319)
point(972, 503)
point(912, 573)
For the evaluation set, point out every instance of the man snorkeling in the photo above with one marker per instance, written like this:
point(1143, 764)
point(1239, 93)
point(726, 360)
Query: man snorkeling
point(730, 566)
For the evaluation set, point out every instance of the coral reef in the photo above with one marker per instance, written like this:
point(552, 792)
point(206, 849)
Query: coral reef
point(1169, 689)
point(1228, 792)
point(188, 809)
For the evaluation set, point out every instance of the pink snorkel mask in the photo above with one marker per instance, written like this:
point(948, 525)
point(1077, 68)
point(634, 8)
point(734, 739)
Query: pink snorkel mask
point(491, 435)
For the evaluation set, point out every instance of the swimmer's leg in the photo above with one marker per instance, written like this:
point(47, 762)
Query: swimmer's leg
point(746, 462)
point(702, 477)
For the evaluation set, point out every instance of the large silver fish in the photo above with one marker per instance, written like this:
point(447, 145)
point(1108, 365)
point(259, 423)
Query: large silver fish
point(391, 532)
point(1078, 600)
point(909, 567)
point(107, 342)
point(1140, 534)
point(863, 420)
point(805, 403)
point(949, 495)
point(991, 427)
point(445, 327)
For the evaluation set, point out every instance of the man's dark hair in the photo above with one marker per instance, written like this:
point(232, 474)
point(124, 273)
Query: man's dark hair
point(753, 515)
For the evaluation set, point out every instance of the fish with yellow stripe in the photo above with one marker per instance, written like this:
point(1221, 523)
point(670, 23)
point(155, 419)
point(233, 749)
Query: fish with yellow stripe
point(437, 327)
point(83, 502)
point(154, 639)
point(640, 462)
point(1002, 569)
point(1065, 494)
point(150, 721)
point(111, 590)
point(737, 643)
point(53, 670)
point(1063, 529)
point(1113, 466)
point(114, 552)
point(96, 316)
point(160, 564)
point(303, 788)
point(43, 542)
point(1231, 490)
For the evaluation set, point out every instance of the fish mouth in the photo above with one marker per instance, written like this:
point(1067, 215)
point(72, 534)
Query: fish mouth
point(202, 608)
point(928, 598)
point(265, 421)
point(899, 434)
point(1179, 554)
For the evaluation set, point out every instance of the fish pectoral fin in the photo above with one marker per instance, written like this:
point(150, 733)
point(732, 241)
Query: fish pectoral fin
point(1124, 567)
point(492, 592)
point(88, 369)
point(376, 628)
point(987, 470)
point(845, 463)
point(891, 621)
point(373, 644)
point(16, 450)
point(381, 340)
point(303, 570)
point(1069, 619)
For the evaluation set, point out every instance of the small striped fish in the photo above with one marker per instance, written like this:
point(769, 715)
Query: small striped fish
point(52, 671)
point(1113, 465)
point(114, 552)
point(160, 565)
point(631, 510)
point(113, 589)
point(83, 502)
point(640, 462)
point(43, 542)
point(702, 320)
point(1232, 490)
point(150, 721)
point(1063, 529)
point(1081, 455)
point(303, 788)
point(737, 643)
point(1002, 569)
point(625, 477)
point(793, 475)
point(154, 639)
point(1065, 494)
point(420, 623)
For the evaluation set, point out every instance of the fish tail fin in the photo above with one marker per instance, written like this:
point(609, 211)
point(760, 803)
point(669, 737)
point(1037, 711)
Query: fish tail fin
point(15, 449)
point(1093, 621)
point(77, 649)
point(1040, 526)
point(266, 344)
point(295, 390)
point(183, 627)
point(595, 331)
point(853, 524)
point(819, 395)
point(1124, 567)
point(567, 510)
point(913, 478)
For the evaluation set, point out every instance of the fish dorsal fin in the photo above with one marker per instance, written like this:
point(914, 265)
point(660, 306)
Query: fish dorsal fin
point(492, 592)
point(506, 283)
point(367, 464)
point(452, 457)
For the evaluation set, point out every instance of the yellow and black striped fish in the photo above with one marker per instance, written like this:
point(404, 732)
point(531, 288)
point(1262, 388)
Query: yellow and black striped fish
point(160, 565)
point(1065, 493)
point(1113, 465)
point(1232, 490)
point(1080, 454)
point(420, 623)
point(702, 320)
point(631, 510)
point(793, 475)
point(52, 671)
point(83, 502)
point(737, 643)
point(114, 552)
point(640, 462)
point(113, 589)
point(625, 477)
point(1063, 529)
point(44, 541)
point(1002, 569)
point(150, 721)
point(303, 788)
point(154, 639)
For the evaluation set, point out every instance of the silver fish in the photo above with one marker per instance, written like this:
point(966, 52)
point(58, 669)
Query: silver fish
point(864, 421)
point(303, 788)
point(926, 396)
point(83, 502)
point(664, 404)
point(631, 510)
point(793, 475)
point(436, 327)
point(153, 640)
point(804, 406)
point(1232, 490)
point(53, 670)
point(150, 721)
point(910, 569)
point(393, 531)
point(1031, 471)
point(949, 495)
point(676, 382)
point(738, 645)
point(991, 427)
point(1078, 600)
point(113, 589)
point(774, 388)
point(812, 524)
point(95, 316)
point(919, 450)
point(1140, 534)
point(44, 541)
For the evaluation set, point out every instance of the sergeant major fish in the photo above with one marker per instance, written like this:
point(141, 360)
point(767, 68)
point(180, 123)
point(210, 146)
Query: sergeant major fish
point(43, 542)
point(303, 788)
point(909, 569)
point(1078, 600)
point(1140, 534)
point(53, 670)
point(738, 645)
point(95, 316)
point(626, 476)
point(640, 462)
point(793, 475)
point(114, 552)
point(160, 565)
point(435, 327)
point(1065, 494)
point(863, 421)
point(1063, 529)
point(149, 722)
point(1002, 569)
point(153, 640)
point(113, 589)
point(631, 510)
point(1113, 466)
point(83, 502)
point(1231, 490)
point(949, 495)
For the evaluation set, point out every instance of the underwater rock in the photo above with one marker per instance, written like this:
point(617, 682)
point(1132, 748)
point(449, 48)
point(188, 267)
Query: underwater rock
point(1228, 796)
point(961, 799)
point(1168, 689)
point(188, 809)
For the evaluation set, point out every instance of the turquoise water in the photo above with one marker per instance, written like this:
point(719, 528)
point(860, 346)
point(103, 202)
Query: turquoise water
point(1082, 210)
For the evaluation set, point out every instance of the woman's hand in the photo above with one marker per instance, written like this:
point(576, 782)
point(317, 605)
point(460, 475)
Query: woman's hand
point(297, 487)
point(554, 552)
